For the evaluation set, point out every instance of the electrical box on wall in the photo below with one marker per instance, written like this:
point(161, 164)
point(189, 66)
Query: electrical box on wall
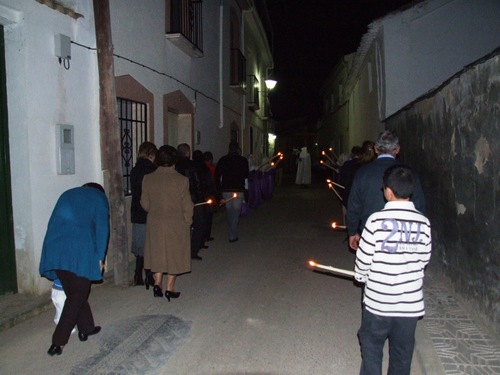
point(62, 46)
point(65, 145)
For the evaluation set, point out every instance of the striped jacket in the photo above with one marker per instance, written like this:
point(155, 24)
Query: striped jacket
point(394, 249)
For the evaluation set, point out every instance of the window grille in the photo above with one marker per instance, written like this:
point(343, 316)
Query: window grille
point(133, 120)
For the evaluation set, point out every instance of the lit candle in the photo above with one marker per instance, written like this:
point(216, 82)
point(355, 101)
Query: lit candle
point(234, 196)
point(281, 158)
point(326, 165)
point(332, 182)
point(270, 160)
point(331, 269)
point(326, 155)
point(330, 186)
point(335, 226)
point(333, 153)
point(207, 202)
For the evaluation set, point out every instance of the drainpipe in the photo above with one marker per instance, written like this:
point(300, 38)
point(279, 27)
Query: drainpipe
point(221, 70)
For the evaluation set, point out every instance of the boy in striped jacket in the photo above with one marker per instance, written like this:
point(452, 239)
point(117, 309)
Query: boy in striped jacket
point(394, 249)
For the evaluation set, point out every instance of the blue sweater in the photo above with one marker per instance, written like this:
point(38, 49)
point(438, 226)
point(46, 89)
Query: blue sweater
point(77, 234)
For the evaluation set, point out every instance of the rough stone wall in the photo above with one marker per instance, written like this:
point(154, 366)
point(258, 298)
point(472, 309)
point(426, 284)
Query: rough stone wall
point(452, 138)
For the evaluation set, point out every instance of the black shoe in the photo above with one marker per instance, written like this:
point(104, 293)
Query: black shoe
point(170, 294)
point(157, 291)
point(233, 240)
point(84, 336)
point(204, 247)
point(210, 239)
point(197, 257)
point(55, 349)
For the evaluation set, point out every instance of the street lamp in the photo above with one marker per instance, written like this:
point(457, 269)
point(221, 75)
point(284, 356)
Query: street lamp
point(270, 83)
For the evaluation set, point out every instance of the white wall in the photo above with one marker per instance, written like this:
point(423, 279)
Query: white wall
point(41, 93)
point(138, 32)
point(427, 44)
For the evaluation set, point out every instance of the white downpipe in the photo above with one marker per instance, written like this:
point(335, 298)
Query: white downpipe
point(221, 70)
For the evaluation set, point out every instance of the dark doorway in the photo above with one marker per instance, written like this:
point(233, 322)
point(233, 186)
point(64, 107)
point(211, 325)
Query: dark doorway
point(8, 279)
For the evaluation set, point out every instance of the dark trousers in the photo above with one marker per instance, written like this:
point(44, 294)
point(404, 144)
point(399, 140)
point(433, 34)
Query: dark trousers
point(76, 309)
point(375, 329)
point(199, 229)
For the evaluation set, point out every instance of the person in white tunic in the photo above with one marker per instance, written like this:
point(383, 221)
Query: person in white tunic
point(303, 168)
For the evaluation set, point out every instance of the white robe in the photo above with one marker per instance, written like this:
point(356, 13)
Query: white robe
point(304, 168)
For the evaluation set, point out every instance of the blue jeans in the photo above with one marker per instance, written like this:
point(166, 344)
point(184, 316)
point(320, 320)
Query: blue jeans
point(233, 210)
point(375, 329)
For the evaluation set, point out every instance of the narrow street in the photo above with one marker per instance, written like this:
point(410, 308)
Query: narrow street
point(249, 307)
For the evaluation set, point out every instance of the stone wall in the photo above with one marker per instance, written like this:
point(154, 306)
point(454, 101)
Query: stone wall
point(451, 136)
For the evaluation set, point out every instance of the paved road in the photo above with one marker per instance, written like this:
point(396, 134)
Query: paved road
point(250, 307)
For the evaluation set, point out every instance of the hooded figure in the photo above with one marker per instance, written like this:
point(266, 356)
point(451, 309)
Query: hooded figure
point(303, 168)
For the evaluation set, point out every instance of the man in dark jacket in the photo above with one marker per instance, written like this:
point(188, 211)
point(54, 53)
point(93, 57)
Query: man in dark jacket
point(230, 174)
point(190, 169)
point(366, 196)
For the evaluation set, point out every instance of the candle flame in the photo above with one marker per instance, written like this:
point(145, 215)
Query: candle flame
point(209, 201)
point(323, 152)
point(328, 181)
point(312, 263)
point(330, 149)
point(272, 164)
point(334, 225)
point(235, 195)
point(321, 162)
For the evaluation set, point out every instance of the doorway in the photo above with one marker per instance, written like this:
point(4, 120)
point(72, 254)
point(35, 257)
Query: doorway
point(8, 278)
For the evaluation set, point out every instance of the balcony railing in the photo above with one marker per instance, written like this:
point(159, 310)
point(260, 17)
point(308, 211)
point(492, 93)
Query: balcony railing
point(238, 79)
point(184, 25)
point(253, 93)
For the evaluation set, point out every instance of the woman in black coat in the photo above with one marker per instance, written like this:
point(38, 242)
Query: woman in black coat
point(144, 165)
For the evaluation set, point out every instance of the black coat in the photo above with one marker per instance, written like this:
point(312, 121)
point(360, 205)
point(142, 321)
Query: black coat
point(141, 168)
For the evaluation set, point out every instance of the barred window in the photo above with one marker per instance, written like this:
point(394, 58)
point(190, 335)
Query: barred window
point(133, 120)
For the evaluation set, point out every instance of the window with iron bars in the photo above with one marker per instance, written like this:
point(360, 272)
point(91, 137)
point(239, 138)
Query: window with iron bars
point(186, 19)
point(133, 119)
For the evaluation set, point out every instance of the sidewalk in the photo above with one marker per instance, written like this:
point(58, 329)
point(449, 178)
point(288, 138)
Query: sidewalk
point(251, 307)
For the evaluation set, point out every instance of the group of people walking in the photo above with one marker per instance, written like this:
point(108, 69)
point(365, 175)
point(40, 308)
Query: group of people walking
point(171, 222)
point(387, 228)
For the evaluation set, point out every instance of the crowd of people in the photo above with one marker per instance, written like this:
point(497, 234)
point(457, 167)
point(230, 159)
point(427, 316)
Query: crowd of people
point(171, 221)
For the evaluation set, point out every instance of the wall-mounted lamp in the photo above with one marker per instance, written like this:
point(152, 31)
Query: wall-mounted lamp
point(270, 83)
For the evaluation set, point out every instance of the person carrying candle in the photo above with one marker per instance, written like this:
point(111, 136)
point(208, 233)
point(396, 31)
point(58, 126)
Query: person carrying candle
point(394, 249)
point(230, 174)
point(365, 196)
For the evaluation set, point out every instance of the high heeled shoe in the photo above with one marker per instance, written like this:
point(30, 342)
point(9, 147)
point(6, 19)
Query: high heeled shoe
point(157, 291)
point(55, 349)
point(170, 294)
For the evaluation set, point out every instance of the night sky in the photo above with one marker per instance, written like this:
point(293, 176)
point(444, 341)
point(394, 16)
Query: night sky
point(309, 38)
